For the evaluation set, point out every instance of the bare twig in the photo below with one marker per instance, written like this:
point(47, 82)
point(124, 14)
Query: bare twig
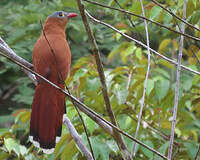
point(131, 22)
point(117, 136)
point(174, 15)
point(177, 85)
point(149, 125)
point(130, 75)
point(142, 17)
point(146, 79)
point(196, 156)
point(83, 107)
point(142, 44)
point(77, 138)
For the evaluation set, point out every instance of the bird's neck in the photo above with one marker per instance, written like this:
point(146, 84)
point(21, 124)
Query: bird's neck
point(55, 26)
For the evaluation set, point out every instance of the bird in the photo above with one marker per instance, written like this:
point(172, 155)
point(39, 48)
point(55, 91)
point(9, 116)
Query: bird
point(51, 59)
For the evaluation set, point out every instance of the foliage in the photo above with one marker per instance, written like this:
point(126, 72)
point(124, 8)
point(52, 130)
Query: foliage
point(122, 59)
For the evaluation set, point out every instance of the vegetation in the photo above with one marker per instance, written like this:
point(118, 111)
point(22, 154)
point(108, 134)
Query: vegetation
point(125, 65)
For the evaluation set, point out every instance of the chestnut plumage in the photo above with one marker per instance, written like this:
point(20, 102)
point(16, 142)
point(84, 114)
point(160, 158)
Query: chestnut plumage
point(53, 62)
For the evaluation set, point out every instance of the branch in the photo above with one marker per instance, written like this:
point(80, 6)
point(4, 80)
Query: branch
point(149, 125)
point(5, 49)
point(174, 15)
point(196, 156)
point(118, 138)
point(144, 18)
point(93, 115)
point(177, 85)
point(77, 138)
point(146, 79)
point(141, 44)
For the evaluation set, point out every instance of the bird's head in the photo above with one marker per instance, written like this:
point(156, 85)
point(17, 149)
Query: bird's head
point(61, 17)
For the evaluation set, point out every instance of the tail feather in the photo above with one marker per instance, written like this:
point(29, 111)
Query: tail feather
point(46, 118)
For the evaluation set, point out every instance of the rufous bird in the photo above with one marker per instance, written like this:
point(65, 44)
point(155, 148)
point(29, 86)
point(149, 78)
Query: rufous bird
point(51, 59)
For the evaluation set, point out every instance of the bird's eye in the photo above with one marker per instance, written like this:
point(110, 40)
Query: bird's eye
point(61, 14)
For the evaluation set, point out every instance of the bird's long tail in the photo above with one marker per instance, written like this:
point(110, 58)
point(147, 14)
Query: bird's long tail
point(47, 113)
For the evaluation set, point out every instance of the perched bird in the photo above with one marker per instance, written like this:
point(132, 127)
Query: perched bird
point(51, 59)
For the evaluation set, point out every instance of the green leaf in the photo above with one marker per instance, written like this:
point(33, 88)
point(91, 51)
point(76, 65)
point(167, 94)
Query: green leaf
point(125, 53)
point(9, 144)
point(150, 86)
point(69, 151)
point(121, 94)
point(101, 150)
point(23, 150)
point(90, 124)
point(117, 50)
point(155, 12)
point(162, 87)
point(147, 152)
point(163, 45)
point(191, 149)
point(138, 53)
point(162, 150)
point(136, 8)
point(92, 84)
point(69, 3)
point(3, 131)
point(118, 35)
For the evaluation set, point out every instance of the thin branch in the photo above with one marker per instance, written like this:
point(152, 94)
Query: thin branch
point(5, 49)
point(174, 15)
point(146, 79)
point(187, 41)
point(142, 44)
point(82, 106)
point(130, 75)
point(177, 85)
point(77, 138)
point(196, 156)
point(117, 136)
point(131, 22)
point(144, 18)
point(149, 125)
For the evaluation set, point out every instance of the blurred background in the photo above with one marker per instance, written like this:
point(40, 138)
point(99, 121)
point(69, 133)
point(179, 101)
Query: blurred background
point(125, 64)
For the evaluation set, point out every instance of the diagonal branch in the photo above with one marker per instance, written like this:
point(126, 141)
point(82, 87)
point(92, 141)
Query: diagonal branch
point(146, 79)
point(196, 156)
point(118, 138)
point(144, 18)
point(177, 85)
point(106, 125)
point(141, 44)
point(174, 15)
point(5, 49)
point(77, 138)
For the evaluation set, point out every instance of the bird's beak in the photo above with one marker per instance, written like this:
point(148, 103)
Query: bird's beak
point(71, 15)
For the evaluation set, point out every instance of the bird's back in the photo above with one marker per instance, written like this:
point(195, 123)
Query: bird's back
point(52, 55)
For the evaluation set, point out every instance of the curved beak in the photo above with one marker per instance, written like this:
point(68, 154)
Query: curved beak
point(71, 15)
